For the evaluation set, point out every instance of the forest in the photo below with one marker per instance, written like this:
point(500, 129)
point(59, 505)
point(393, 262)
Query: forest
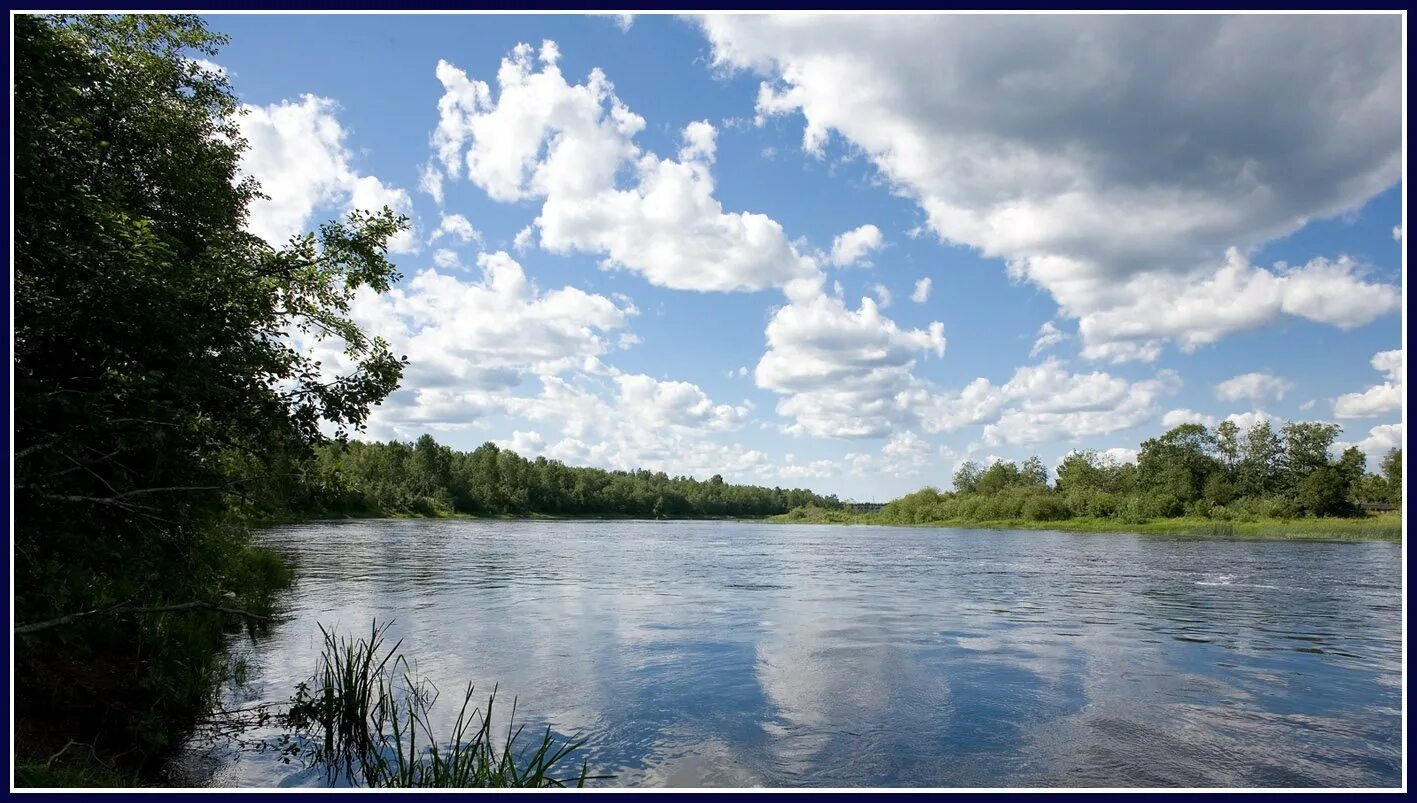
point(1221, 474)
point(425, 478)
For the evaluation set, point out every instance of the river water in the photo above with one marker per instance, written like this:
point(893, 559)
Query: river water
point(743, 654)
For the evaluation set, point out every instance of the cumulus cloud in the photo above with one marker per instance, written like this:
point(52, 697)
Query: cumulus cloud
point(297, 153)
point(1246, 421)
point(1377, 399)
point(671, 403)
point(1119, 454)
point(1175, 418)
point(605, 424)
point(1046, 401)
point(538, 137)
point(470, 342)
point(1133, 319)
point(369, 194)
point(905, 454)
point(921, 293)
point(841, 371)
point(446, 258)
point(1255, 386)
point(1117, 162)
point(457, 227)
point(524, 443)
point(1379, 441)
point(571, 147)
point(853, 247)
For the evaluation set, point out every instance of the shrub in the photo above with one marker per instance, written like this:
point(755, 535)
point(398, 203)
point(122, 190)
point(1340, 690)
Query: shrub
point(1045, 508)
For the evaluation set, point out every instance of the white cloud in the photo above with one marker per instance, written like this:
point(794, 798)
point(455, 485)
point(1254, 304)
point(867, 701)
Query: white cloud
point(883, 295)
point(1133, 319)
point(657, 403)
point(1377, 399)
point(1246, 421)
point(369, 194)
point(1175, 418)
point(904, 454)
point(430, 181)
point(1049, 335)
point(1119, 454)
point(210, 67)
point(1099, 156)
point(542, 138)
point(446, 259)
point(458, 227)
point(1255, 386)
point(470, 342)
point(1376, 445)
point(524, 443)
point(1046, 401)
point(605, 425)
point(840, 370)
point(853, 247)
point(296, 151)
point(921, 294)
point(1397, 232)
point(814, 470)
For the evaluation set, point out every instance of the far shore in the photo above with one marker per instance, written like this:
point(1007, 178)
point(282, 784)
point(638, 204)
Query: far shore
point(1373, 527)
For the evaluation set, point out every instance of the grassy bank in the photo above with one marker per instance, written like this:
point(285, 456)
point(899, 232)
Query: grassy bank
point(1376, 527)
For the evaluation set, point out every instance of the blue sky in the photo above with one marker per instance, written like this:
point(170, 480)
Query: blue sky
point(1206, 223)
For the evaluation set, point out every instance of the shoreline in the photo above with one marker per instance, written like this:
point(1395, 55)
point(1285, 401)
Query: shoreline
point(1380, 527)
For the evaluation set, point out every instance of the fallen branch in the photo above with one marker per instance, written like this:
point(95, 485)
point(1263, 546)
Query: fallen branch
point(181, 606)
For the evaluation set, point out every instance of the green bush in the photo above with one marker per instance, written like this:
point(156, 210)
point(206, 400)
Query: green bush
point(1045, 508)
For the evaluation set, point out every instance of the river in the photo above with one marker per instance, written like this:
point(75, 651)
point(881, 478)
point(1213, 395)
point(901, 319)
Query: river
point(744, 654)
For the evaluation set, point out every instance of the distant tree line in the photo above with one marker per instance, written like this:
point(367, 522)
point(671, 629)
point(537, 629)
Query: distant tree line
point(427, 478)
point(1221, 473)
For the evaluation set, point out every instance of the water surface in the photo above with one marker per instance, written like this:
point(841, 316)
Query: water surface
point(732, 653)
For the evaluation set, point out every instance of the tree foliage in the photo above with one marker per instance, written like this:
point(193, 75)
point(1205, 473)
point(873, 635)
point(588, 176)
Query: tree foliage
point(157, 376)
point(426, 478)
point(1189, 470)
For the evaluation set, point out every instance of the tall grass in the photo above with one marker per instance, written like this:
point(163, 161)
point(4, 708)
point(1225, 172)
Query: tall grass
point(366, 716)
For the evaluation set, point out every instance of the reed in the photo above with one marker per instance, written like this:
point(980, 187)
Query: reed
point(365, 715)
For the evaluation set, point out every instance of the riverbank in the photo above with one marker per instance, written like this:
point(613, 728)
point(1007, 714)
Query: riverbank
point(405, 515)
point(110, 696)
point(1374, 527)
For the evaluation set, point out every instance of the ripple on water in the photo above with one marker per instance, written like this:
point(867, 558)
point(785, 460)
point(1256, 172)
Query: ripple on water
point(742, 654)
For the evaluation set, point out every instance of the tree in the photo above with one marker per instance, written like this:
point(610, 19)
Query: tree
point(1178, 462)
point(1259, 468)
point(999, 476)
point(1392, 475)
point(967, 476)
point(1079, 470)
point(1034, 474)
point(1306, 450)
point(158, 377)
point(1227, 446)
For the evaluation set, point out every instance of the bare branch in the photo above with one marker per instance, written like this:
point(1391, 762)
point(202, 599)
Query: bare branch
point(122, 609)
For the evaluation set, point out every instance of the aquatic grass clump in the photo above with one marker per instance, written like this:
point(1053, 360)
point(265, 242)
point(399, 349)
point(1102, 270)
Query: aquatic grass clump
point(365, 716)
